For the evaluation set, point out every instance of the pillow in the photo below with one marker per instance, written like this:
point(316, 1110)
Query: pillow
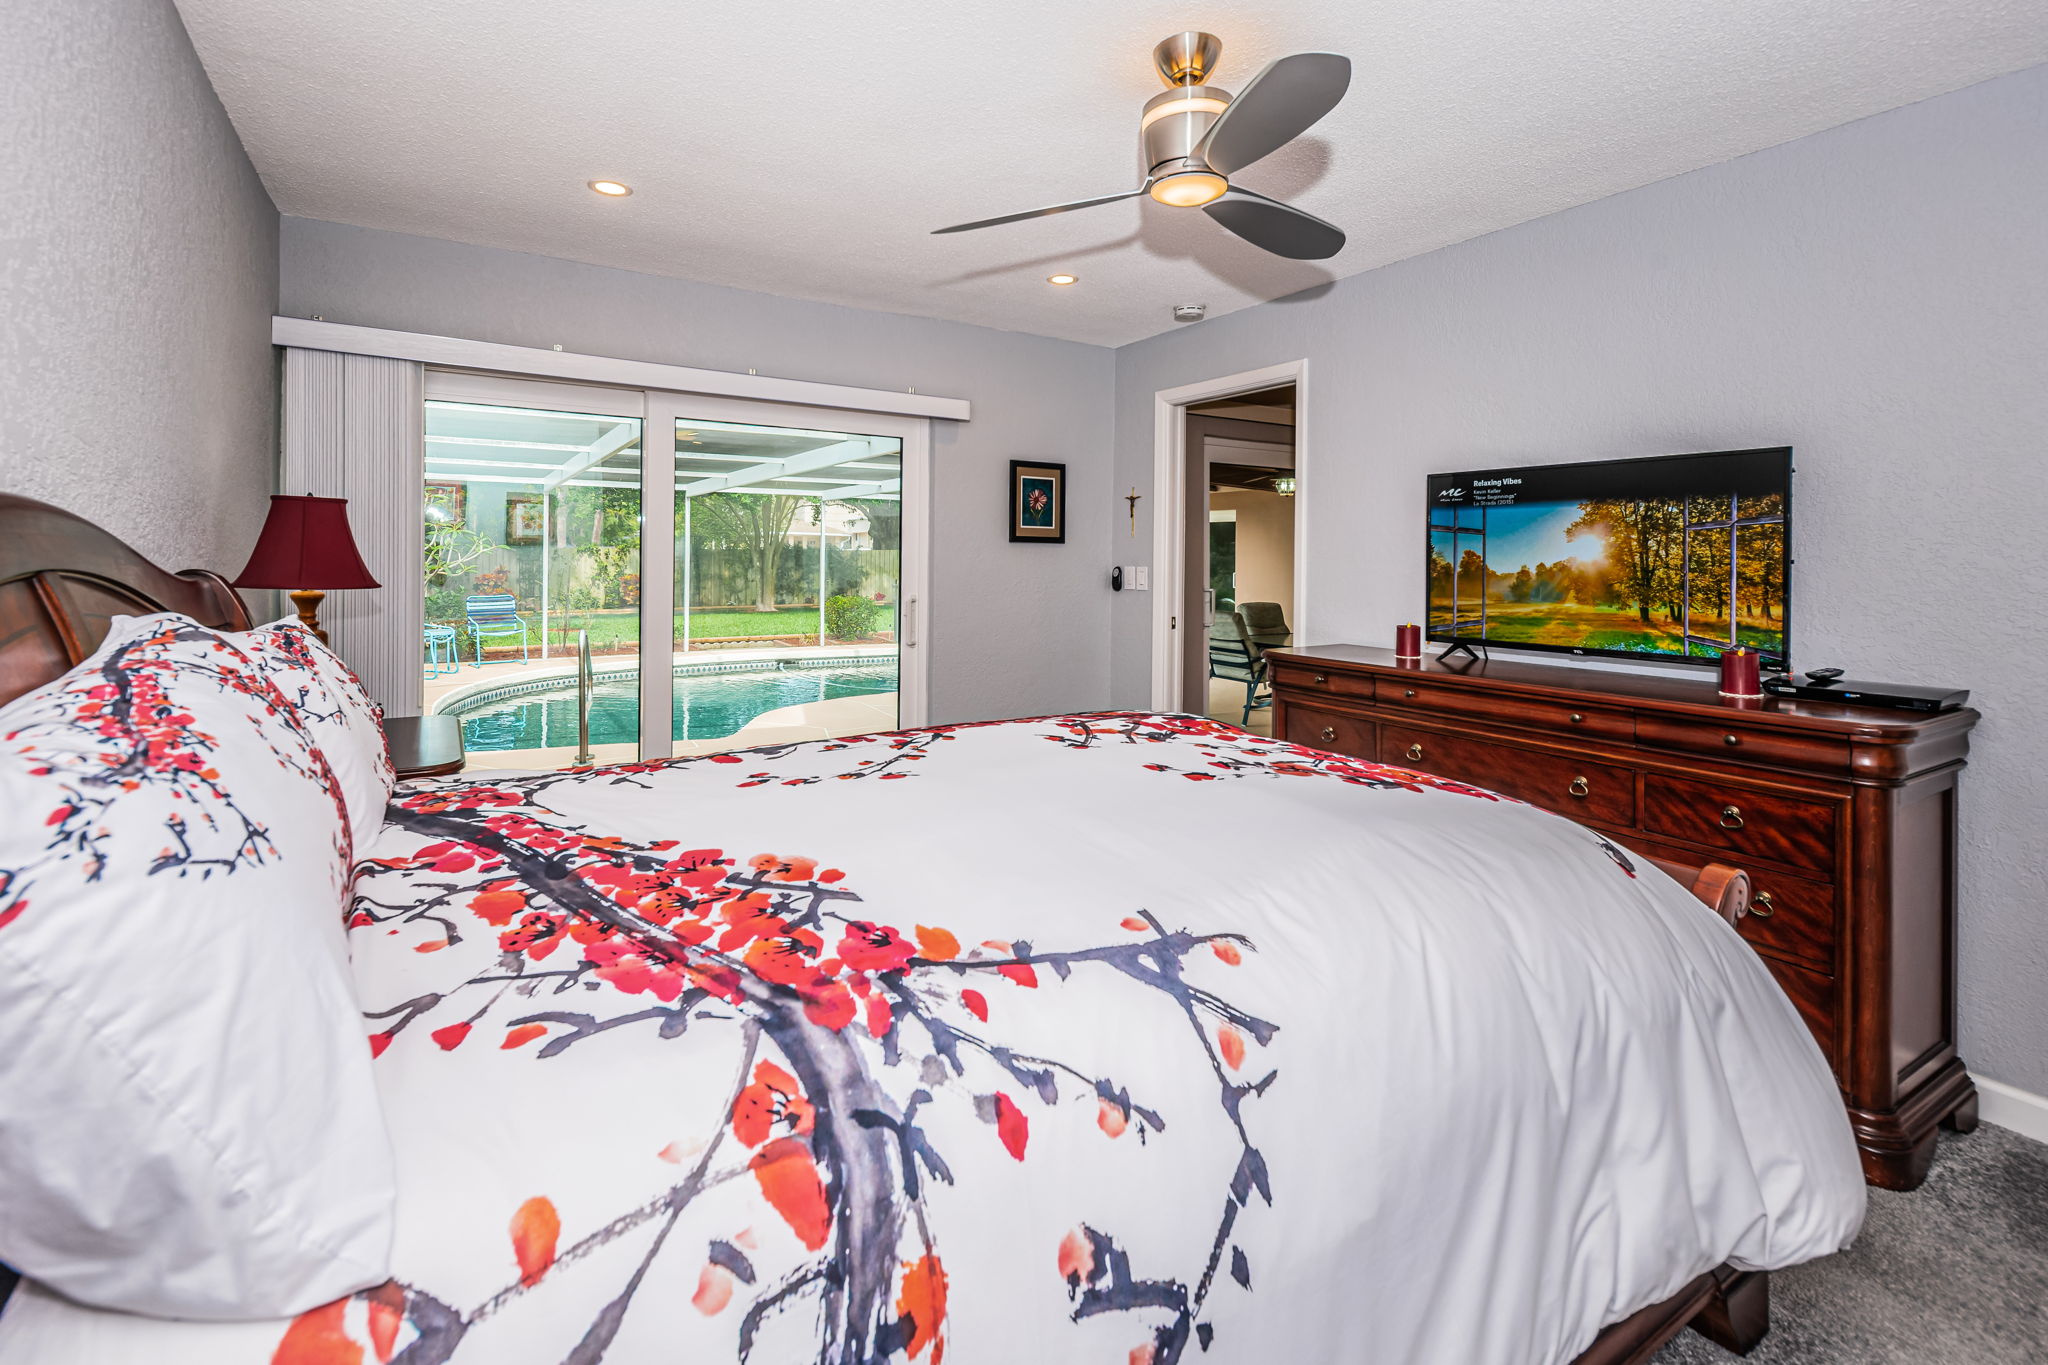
point(336, 710)
point(189, 1127)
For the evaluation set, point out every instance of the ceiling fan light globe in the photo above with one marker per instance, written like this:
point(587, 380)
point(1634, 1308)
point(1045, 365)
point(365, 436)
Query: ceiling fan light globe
point(1189, 189)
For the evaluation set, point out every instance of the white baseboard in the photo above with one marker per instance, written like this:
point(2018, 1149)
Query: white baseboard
point(2008, 1106)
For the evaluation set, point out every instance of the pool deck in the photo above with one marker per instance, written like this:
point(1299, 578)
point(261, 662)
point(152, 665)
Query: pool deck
point(784, 725)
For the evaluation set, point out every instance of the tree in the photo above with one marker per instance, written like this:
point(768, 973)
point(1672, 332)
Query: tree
point(885, 521)
point(448, 546)
point(1474, 579)
point(1761, 558)
point(757, 523)
point(1645, 549)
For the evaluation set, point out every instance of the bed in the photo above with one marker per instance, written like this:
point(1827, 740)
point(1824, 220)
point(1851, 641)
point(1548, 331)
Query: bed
point(1109, 1037)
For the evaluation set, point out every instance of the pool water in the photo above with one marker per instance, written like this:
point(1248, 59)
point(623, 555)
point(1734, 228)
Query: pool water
point(707, 706)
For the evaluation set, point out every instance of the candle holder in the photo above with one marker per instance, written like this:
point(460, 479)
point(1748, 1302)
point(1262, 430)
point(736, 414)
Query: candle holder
point(1741, 674)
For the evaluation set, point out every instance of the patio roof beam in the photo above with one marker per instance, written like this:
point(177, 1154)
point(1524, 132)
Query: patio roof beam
point(861, 490)
point(494, 443)
point(626, 433)
point(821, 457)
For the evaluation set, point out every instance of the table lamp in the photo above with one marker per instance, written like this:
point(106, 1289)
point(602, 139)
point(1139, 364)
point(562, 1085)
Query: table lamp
point(305, 547)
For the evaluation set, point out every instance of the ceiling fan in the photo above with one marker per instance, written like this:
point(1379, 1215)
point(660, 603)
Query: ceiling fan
point(1195, 137)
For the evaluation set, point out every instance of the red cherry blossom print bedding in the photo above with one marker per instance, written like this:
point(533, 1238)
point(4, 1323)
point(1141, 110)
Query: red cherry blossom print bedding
point(1120, 1038)
point(188, 1125)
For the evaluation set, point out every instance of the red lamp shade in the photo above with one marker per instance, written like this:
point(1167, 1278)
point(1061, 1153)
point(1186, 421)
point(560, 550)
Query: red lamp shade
point(306, 543)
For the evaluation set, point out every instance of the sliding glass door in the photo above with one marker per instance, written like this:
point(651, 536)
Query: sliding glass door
point(764, 546)
point(788, 549)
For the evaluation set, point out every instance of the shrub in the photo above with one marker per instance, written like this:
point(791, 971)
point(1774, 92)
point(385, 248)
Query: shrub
point(493, 581)
point(444, 606)
point(851, 616)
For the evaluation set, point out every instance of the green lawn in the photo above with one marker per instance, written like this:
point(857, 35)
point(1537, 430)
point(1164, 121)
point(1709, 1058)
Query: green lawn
point(1597, 627)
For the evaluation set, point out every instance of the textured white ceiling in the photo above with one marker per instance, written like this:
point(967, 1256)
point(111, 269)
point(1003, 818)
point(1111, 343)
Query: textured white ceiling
point(807, 147)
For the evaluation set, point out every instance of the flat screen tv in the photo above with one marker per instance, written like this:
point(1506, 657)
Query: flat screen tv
point(1674, 557)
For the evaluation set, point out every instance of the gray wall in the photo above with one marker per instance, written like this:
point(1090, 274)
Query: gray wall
point(137, 278)
point(1875, 296)
point(1016, 629)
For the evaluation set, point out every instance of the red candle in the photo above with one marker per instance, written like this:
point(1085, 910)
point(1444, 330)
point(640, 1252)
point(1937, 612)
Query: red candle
point(1741, 674)
point(1408, 641)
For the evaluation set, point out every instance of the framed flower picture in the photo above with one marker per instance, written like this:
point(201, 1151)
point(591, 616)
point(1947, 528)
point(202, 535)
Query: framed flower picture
point(522, 518)
point(447, 502)
point(1038, 502)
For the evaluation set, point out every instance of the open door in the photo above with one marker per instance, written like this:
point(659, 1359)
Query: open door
point(1237, 577)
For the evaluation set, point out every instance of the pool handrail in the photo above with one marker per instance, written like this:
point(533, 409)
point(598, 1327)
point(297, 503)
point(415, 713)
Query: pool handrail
point(585, 679)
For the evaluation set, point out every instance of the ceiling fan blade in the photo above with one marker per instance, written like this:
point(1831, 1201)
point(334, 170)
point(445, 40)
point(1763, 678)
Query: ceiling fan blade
point(1279, 228)
point(1280, 104)
point(1040, 213)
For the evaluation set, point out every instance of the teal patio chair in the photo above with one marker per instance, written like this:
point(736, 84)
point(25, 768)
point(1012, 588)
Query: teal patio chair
point(494, 616)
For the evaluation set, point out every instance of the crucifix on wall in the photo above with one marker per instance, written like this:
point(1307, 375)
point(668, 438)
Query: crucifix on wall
point(1132, 498)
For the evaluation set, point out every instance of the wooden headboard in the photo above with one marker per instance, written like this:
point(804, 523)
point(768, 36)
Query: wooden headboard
point(62, 579)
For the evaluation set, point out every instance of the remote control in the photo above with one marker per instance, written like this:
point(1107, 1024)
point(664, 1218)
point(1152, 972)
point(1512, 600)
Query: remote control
point(1823, 676)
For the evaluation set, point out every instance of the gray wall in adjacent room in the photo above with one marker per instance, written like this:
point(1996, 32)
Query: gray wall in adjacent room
point(1875, 296)
point(138, 273)
point(1014, 629)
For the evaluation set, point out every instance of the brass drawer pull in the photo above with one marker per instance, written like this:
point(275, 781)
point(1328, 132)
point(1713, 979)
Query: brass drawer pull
point(1322, 677)
point(1580, 787)
point(1329, 732)
point(1578, 719)
point(1731, 817)
point(1414, 753)
point(1762, 906)
point(1731, 739)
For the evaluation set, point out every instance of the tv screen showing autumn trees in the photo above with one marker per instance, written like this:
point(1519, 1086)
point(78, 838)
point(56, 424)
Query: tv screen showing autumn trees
point(1689, 575)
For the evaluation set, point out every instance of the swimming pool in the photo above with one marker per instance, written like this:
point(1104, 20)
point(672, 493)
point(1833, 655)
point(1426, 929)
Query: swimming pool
point(706, 706)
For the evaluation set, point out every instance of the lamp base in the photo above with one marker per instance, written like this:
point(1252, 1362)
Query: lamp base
point(308, 601)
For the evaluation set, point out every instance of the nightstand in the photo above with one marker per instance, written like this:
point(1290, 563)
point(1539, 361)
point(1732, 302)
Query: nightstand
point(424, 746)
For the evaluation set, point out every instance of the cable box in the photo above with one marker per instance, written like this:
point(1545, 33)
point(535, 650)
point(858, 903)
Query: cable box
point(1889, 696)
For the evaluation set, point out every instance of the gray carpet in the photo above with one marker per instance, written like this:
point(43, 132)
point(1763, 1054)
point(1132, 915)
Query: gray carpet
point(1953, 1273)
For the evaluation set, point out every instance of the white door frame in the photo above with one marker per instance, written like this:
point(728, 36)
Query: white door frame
point(1169, 528)
point(913, 585)
point(659, 411)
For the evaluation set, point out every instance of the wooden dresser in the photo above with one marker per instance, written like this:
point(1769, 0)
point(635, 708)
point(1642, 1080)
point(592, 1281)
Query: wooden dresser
point(1844, 817)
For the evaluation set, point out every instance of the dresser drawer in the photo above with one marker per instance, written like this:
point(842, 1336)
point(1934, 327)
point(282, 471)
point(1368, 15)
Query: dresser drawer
point(1566, 719)
point(1307, 680)
point(1792, 915)
point(1751, 744)
point(1780, 828)
point(1596, 792)
point(1817, 997)
point(1328, 730)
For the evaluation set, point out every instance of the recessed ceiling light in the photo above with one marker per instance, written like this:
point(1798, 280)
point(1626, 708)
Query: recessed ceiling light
point(1062, 279)
point(612, 188)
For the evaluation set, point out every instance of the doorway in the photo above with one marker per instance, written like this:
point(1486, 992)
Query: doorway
point(1240, 463)
point(737, 572)
point(1230, 462)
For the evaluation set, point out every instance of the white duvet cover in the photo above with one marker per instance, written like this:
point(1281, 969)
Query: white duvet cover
point(1125, 1039)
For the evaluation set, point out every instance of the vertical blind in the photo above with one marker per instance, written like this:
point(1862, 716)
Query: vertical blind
point(354, 427)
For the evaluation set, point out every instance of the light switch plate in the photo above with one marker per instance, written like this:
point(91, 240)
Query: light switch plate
point(1137, 578)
